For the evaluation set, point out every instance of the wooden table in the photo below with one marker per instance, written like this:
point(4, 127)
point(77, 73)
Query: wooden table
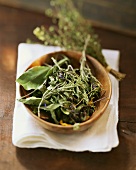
point(15, 27)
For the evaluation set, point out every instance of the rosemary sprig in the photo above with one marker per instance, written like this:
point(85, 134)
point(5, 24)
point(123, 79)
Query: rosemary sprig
point(69, 30)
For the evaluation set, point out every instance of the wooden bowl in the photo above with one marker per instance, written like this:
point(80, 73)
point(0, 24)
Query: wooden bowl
point(98, 71)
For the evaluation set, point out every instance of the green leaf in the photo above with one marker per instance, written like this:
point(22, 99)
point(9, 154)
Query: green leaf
point(51, 107)
point(31, 101)
point(66, 112)
point(33, 77)
point(53, 115)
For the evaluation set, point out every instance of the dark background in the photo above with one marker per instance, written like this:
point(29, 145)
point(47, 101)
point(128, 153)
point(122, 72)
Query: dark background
point(119, 15)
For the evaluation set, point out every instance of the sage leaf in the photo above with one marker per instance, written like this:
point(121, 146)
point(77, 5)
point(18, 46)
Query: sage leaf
point(53, 115)
point(51, 107)
point(33, 77)
point(31, 101)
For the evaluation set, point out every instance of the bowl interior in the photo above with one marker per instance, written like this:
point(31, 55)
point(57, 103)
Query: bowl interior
point(98, 71)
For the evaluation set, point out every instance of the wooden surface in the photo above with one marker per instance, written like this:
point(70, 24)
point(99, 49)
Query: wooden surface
point(17, 25)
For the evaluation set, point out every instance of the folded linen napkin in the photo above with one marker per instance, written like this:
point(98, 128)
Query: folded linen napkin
point(101, 137)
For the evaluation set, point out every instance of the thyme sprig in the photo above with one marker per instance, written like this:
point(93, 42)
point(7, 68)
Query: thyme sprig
point(69, 30)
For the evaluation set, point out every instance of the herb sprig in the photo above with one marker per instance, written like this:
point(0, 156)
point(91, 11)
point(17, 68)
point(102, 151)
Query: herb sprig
point(69, 30)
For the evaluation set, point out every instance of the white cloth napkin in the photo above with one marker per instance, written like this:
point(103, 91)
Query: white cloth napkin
point(101, 137)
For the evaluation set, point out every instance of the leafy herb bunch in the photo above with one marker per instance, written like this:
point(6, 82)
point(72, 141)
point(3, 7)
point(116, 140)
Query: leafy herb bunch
point(69, 30)
point(59, 93)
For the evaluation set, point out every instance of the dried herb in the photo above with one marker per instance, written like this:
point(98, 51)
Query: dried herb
point(69, 30)
point(61, 94)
